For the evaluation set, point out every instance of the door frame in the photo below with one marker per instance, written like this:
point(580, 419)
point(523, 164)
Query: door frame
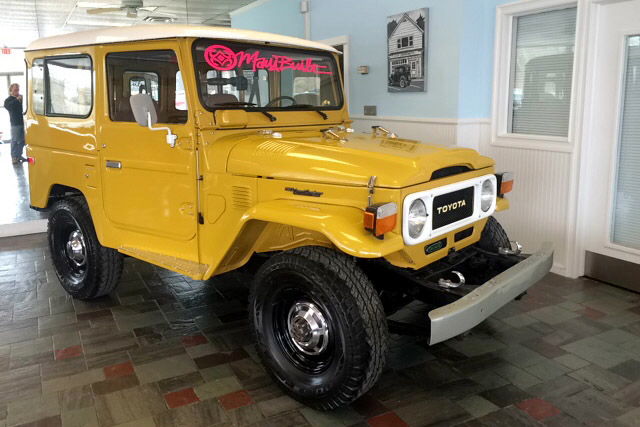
point(344, 42)
point(578, 221)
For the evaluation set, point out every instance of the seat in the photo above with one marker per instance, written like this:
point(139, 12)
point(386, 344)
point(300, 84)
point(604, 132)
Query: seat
point(123, 111)
point(219, 98)
point(307, 99)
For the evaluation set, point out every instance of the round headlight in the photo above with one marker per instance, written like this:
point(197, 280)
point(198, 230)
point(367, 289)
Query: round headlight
point(487, 194)
point(417, 218)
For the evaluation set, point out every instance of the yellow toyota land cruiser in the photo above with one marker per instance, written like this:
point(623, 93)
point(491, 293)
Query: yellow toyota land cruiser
point(200, 148)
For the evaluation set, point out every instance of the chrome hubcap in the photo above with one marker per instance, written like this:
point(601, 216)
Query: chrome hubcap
point(76, 249)
point(308, 328)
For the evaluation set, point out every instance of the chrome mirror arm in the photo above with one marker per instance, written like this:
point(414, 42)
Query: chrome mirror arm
point(171, 138)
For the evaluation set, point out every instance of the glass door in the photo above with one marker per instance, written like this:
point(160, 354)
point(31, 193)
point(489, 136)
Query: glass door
point(625, 227)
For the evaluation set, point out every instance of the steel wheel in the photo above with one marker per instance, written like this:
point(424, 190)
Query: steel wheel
point(69, 250)
point(319, 325)
point(84, 267)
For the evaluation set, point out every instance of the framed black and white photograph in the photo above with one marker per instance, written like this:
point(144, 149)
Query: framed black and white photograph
point(407, 51)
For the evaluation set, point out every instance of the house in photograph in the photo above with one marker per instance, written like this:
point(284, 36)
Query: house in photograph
point(406, 47)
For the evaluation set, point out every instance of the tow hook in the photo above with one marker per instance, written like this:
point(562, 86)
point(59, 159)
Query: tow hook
point(514, 249)
point(455, 281)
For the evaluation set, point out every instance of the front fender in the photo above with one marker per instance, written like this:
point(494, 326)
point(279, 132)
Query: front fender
point(342, 225)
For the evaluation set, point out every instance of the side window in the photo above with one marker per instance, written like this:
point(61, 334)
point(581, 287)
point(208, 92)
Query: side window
point(69, 86)
point(153, 72)
point(141, 83)
point(37, 82)
point(181, 97)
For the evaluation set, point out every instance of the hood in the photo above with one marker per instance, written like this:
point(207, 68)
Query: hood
point(310, 156)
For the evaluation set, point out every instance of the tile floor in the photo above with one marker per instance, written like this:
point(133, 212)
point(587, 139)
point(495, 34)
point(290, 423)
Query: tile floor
point(14, 190)
point(165, 350)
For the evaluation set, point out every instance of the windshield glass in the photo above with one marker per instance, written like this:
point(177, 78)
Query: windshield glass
point(259, 78)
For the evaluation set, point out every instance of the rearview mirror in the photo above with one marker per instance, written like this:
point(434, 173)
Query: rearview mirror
point(142, 106)
point(239, 82)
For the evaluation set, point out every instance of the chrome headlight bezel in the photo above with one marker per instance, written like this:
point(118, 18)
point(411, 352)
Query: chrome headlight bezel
point(487, 194)
point(419, 218)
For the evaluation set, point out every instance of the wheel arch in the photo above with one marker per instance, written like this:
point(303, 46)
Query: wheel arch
point(61, 191)
point(278, 225)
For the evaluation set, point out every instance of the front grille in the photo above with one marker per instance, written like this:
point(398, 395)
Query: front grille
point(448, 171)
point(451, 207)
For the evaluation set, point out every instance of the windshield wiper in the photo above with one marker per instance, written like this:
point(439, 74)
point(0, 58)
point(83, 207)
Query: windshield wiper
point(271, 116)
point(239, 103)
point(247, 104)
point(324, 116)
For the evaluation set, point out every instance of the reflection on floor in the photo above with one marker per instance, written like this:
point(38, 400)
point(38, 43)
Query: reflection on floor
point(165, 350)
point(14, 191)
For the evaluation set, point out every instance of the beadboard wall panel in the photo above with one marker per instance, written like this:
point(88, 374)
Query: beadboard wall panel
point(540, 197)
point(431, 130)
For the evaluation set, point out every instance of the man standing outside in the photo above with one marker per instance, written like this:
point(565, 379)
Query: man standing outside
point(13, 104)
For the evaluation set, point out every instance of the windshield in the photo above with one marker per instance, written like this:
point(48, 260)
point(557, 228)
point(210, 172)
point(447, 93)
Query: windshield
point(260, 78)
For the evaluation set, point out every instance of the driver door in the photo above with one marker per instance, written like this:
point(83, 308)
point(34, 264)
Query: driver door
point(149, 187)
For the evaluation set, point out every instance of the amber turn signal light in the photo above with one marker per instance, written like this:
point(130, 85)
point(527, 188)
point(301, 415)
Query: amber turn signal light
point(380, 218)
point(505, 183)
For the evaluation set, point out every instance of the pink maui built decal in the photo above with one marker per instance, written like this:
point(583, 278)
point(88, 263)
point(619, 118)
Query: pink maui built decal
point(224, 58)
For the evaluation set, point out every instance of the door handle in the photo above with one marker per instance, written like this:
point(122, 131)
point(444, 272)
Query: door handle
point(114, 164)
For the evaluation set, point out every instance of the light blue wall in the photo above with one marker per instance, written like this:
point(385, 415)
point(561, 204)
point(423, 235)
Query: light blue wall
point(476, 58)
point(460, 50)
point(274, 16)
point(365, 22)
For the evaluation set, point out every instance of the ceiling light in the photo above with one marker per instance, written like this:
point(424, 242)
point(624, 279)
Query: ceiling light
point(160, 19)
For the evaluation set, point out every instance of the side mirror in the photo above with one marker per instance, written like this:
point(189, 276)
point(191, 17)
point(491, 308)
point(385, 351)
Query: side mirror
point(142, 106)
point(144, 111)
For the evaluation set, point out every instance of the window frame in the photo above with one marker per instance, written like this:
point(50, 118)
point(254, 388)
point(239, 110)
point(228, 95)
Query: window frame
point(128, 49)
point(338, 88)
point(47, 92)
point(25, 97)
point(30, 87)
point(504, 49)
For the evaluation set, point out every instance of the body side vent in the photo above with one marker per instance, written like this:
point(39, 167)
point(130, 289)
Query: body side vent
point(241, 197)
point(273, 147)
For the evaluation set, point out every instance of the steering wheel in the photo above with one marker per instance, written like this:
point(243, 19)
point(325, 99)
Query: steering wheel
point(280, 98)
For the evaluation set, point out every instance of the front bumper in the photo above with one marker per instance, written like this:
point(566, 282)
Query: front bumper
point(465, 313)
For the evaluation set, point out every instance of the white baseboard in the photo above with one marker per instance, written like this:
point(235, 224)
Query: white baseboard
point(559, 269)
point(22, 228)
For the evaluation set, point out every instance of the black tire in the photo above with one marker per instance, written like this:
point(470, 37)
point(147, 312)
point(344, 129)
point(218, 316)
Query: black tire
point(91, 270)
point(493, 237)
point(403, 82)
point(355, 345)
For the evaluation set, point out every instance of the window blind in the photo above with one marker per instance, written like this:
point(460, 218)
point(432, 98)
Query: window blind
point(626, 209)
point(541, 72)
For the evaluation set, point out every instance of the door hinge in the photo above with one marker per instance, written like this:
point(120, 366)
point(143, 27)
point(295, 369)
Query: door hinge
point(200, 218)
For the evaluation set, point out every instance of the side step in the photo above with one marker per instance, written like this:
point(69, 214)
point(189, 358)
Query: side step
point(188, 268)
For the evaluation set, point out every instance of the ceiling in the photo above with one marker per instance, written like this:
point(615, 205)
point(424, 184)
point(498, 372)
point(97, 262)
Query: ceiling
point(23, 21)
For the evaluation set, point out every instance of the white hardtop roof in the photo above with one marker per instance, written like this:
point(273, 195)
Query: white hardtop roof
point(166, 31)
